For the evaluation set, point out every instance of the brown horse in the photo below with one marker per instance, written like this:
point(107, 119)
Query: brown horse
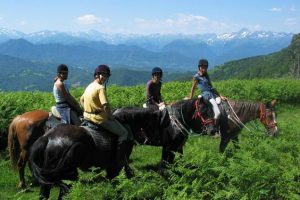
point(24, 130)
point(235, 114)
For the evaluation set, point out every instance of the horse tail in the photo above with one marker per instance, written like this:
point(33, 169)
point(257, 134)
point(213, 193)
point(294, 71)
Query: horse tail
point(53, 163)
point(13, 143)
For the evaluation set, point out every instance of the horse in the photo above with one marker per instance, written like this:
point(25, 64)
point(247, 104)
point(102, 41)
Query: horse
point(184, 115)
point(58, 154)
point(23, 131)
point(234, 115)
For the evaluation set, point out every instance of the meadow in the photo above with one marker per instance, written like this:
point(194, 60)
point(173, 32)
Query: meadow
point(264, 167)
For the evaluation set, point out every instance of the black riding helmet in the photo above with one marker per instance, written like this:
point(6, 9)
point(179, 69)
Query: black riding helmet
point(102, 69)
point(203, 63)
point(62, 68)
point(157, 70)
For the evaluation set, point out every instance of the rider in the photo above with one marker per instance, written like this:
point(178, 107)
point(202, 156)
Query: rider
point(68, 108)
point(208, 92)
point(153, 87)
point(97, 110)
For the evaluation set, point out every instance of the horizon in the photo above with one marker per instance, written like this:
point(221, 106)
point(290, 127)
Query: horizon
point(142, 17)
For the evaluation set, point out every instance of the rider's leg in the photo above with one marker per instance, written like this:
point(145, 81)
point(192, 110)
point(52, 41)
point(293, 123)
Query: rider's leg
point(216, 112)
point(75, 118)
point(118, 129)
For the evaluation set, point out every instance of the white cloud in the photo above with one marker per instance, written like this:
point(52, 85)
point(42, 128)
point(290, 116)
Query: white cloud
point(276, 9)
point(291, 22)
point(293, 9)
point(23, 23)
point(90, 19)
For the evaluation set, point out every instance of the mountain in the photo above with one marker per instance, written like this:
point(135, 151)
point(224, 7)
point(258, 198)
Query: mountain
point(91, 54)
point(284, 63)
point(175, 52)
point(18, 74)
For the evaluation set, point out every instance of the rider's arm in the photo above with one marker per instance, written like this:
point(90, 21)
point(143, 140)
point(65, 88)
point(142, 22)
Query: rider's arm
point(193, 88)
point(104, 102)
point(68, 97)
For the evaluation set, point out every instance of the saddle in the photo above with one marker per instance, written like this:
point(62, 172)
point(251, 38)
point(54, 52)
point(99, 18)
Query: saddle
point(103, 139)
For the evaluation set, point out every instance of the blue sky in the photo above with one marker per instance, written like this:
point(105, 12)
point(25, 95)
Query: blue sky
point(151, 16)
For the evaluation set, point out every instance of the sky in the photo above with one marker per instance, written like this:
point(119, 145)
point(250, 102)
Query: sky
point(150, 16)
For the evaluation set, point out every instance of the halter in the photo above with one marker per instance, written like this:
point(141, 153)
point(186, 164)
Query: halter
point(263, 117)
point(198, 114)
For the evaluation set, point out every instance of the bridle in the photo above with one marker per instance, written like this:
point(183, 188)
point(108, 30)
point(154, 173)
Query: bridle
point(263, 111)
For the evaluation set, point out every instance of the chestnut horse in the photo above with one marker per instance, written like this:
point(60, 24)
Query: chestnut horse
point(234, 115)
point(23, 131)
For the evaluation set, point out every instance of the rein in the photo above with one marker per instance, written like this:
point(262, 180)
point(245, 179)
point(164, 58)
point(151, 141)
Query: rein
point(176, 121)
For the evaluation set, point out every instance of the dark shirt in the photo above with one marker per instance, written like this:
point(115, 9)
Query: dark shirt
point(153, 92)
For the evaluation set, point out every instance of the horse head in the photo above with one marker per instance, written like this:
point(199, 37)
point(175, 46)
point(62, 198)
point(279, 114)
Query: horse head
point(267, 117)
point(206, 116)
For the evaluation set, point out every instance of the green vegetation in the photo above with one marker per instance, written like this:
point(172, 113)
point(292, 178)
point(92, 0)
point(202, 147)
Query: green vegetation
point(264, 168)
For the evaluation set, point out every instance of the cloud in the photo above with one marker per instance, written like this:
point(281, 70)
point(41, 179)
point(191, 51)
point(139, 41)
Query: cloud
point(89, 19)
point(185, 24)
point(23, 23)
point(292, 9)
point(290, 22)
point(275, 9)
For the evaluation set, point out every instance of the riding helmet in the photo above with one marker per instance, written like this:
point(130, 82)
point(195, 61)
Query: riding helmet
point(157, 70)
point(102, 69)
point(203, 63)
point(62, 68)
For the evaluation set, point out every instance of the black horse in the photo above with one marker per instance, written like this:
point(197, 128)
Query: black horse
point(56, 155)
point(234, 115)
point(185, 115)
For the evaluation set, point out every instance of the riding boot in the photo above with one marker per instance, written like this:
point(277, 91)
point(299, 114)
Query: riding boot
point(217, 128)
point(121, 156)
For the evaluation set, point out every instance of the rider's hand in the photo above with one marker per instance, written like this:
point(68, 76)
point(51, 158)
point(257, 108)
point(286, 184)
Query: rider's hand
point(223, 98)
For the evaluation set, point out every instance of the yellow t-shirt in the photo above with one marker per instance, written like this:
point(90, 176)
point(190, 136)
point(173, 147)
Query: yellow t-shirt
point(94, 97)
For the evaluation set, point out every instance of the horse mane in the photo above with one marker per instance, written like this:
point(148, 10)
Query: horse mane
point(131, 113)
point(245, 108)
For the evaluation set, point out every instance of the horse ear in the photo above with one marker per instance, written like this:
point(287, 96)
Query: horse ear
point(273, 102)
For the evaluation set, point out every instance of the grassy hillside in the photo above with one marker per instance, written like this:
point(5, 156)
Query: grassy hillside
point(279, 64)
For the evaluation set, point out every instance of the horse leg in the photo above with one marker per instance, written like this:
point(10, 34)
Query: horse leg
point(235, 141)
point(167, 155)
point(45, 191)
point(223, 144)
point(21, 167)
point(112, 172)
point(63, 190)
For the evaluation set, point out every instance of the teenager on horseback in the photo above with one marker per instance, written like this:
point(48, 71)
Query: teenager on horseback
point(208, 92)
point(68, 108)
point(153, 87)
point(97, 110)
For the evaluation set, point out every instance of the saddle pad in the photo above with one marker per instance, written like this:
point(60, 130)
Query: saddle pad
point(52, 121)
point(103, 140)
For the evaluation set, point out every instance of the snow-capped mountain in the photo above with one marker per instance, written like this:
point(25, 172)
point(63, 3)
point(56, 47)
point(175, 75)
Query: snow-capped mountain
point(178, 51)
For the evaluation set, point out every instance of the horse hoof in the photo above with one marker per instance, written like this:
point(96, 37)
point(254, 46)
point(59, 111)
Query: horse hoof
point(129, 172)
point(22, 185)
